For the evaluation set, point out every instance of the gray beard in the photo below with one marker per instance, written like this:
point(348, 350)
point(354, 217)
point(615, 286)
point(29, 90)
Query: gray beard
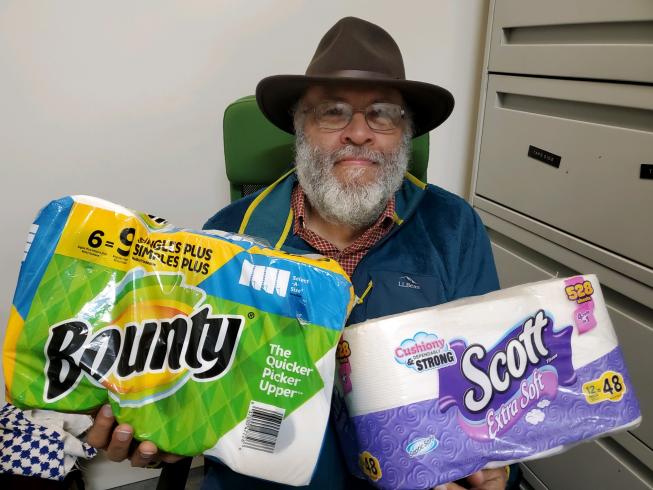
point(349, 203)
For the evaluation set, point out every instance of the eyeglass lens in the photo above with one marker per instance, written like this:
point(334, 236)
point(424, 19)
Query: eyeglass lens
point(380, 116)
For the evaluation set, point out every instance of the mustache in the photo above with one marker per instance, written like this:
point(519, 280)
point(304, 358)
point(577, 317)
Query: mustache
point(356, 152)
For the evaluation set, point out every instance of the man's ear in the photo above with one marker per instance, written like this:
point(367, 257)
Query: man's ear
point(409, 127)
point(298, 112)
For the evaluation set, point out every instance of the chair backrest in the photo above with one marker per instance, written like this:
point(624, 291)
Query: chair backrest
point(257, 153)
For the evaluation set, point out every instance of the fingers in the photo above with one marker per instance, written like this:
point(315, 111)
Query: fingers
point(494, 479)
point(145, 453)
point(118, 448)
point(449, 486)
point(171, 458)
point(102, 435)
point(476, 479)
point(117, 441)
point(99, 434)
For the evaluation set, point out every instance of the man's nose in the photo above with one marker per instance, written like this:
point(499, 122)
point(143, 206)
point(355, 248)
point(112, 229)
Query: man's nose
point(357, 132)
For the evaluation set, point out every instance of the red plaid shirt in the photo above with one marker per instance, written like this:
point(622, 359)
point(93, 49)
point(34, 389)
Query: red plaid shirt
point(352, 255)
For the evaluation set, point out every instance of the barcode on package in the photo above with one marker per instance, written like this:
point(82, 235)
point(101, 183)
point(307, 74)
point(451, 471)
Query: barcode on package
point(262, 426)
point(30, 238)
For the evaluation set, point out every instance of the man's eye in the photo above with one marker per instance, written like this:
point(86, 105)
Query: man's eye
point(333, 111)
point(375, 113)
point(379, 115)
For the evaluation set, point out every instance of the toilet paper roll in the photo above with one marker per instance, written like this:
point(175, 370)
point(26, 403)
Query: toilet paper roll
point(379, 347)
point(432, 395)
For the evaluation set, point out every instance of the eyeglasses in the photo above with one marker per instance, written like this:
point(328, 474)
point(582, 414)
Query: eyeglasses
point(381, 116)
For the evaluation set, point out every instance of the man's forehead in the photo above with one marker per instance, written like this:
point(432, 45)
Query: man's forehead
point(353, 93)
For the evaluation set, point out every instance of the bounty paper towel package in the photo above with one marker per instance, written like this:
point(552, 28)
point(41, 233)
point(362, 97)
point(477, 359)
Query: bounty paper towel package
point(433, 395)
point(202, 341)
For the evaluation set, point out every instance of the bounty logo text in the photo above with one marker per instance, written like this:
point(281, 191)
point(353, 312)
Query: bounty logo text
point(202, 344)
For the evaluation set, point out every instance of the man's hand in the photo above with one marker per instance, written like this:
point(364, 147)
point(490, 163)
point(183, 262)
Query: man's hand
point(495, 479)
point(116, 440)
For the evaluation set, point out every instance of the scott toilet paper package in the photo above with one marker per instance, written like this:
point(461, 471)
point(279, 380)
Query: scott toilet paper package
point(202, 341)
point(433, 395)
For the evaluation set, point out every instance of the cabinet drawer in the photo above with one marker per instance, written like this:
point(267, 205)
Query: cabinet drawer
point(595, 465)
point(571, 154)
point(585, 38)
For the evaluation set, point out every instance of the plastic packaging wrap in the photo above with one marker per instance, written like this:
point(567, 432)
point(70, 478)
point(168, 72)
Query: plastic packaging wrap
point(433, 395)
point(202, 341)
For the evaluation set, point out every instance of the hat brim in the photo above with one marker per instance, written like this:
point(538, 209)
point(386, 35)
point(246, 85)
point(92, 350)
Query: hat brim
point(429, 104)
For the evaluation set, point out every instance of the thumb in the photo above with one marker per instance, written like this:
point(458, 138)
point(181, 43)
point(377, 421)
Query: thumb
point(449, 486)
point(476, 479)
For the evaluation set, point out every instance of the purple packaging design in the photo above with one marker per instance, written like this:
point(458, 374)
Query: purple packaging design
point(432, 395)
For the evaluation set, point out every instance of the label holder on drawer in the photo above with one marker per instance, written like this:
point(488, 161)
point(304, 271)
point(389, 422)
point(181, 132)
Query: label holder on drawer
point(544, 156)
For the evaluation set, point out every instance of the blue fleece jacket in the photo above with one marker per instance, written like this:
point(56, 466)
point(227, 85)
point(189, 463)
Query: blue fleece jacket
point(437, 251)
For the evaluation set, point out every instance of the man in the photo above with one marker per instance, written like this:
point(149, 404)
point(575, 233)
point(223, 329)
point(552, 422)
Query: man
point(354, 115)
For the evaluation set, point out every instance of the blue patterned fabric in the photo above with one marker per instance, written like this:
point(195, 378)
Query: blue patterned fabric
point(30, 449)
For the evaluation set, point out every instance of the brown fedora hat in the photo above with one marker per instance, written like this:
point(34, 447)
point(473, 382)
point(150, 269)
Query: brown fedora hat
point(355, 51)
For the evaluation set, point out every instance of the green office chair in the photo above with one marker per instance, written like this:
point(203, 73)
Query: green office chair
point(257, 153)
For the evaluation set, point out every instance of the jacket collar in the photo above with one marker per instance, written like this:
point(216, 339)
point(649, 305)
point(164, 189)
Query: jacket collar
point(270, 216)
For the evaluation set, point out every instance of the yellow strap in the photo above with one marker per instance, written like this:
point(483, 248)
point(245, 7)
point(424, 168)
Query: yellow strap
point(360, 300)
point(259, 198)
point(415, 180)
point(285, 231)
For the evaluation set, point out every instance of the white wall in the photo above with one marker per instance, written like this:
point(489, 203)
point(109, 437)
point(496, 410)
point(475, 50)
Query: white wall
point(124, 100)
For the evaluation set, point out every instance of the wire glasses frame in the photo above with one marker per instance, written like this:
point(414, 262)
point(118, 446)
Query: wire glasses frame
point(380, 117)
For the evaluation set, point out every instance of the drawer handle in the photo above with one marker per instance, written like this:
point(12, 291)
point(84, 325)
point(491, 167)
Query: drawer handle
point(611, 115)
point(599, 33)
point(646, 171)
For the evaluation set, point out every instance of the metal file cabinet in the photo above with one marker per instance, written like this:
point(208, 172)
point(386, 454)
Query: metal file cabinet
point(563, 180)
point(599, 135)
point(592, 39)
